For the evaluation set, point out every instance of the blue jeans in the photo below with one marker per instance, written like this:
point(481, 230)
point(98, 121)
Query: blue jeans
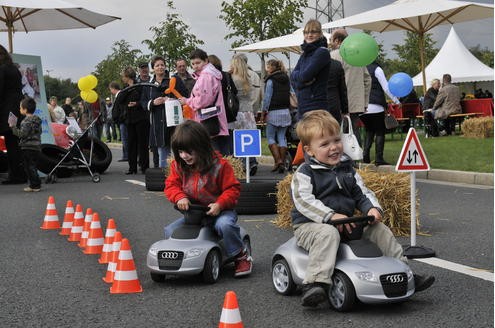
point(163, 153)
point(276, 133)
point(225, 226)
point(123, 137)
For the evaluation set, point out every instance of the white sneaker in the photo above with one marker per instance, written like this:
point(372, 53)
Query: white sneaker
point(443, 133)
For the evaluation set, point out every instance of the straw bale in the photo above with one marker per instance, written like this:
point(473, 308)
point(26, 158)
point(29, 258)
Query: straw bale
point(391, 189)
point(478, 127)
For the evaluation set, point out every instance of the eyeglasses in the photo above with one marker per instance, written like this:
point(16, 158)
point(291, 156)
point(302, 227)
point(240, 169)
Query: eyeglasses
point(312, 32)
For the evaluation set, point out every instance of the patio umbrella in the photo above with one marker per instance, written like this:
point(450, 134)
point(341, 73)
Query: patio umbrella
point(42, 15)
point(418, 16)
point(285, 43)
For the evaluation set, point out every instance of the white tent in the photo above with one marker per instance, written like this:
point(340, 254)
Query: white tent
point(455, 59)
point(285, 43)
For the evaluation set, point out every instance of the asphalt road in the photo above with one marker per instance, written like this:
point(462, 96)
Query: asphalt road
point(47, 281)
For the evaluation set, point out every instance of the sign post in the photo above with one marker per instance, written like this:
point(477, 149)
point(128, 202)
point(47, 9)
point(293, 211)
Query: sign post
point(411, 159)
point(247, 143)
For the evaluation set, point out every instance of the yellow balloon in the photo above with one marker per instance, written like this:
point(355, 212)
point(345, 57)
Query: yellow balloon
point(89, 96)
point(92, 80)
point(92, 96)
point(84, 84)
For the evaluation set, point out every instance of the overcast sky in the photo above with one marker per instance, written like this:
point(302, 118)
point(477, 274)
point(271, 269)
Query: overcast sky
point(75, 53)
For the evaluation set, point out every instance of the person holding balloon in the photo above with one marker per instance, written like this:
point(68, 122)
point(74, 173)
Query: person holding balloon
point(355, 52)
point(374, 117)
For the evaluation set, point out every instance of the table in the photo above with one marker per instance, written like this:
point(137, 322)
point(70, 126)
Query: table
point(405, 110)
point(484, 106)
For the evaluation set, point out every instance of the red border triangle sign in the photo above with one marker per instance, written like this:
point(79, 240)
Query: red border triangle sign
point(412, 156)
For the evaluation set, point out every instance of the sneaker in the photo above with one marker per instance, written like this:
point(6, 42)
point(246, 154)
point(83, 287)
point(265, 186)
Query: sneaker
point(421, 282)
point(313, 295)
point(29, 189)
point(443, 133)
point(243, 264)
point(428, 110)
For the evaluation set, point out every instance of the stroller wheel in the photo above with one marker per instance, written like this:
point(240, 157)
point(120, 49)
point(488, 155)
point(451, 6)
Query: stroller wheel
point(50, 179)
point(96, 178)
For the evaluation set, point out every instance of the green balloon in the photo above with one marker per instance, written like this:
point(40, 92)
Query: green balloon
point(359, 49)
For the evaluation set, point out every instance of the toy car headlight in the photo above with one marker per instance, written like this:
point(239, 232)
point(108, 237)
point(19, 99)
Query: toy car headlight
point(193, 252)
point(409, 274)
point(153, 251)
point(367, 276)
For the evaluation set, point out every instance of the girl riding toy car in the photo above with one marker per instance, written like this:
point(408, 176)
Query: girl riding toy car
point(193, 248)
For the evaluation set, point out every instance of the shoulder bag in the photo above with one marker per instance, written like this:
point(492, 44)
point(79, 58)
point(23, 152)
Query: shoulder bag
point(349, 140)
point(209, 118)
point(232, 105)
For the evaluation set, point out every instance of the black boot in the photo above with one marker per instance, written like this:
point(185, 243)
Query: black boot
point(368, 142)
point(379, 145)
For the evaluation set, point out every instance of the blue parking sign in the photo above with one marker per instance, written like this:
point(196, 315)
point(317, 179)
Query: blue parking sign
point(247, 143)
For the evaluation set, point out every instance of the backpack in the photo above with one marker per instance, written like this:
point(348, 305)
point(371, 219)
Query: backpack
point(231, 101)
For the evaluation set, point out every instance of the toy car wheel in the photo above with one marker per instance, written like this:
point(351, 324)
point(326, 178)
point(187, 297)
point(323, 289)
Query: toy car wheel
point(49, 179)
point(157, 277)
point(282, 278)
point(211, 270)
point(342, 294)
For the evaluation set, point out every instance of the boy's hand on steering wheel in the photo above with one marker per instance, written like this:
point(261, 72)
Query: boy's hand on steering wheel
point(340, 227)
point(215, 209)
point(183, 204)
point(376, 213)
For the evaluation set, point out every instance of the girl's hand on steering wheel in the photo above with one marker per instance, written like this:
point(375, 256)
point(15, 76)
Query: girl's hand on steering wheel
point(215, 209)
point(183, 204)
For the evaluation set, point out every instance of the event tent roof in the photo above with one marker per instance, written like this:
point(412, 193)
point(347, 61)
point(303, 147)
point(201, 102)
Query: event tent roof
point(455, 59)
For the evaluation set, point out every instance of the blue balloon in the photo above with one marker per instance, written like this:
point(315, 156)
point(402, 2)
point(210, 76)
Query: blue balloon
point(400, 84)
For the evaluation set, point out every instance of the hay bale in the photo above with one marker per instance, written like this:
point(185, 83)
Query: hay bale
point(391, 189)
point(237, 165)
point(478, 127)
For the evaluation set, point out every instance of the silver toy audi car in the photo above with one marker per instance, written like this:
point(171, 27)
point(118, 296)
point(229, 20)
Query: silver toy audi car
point(361, 271)
point(193, 248)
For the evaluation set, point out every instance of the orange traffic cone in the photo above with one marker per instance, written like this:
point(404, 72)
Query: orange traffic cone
point(125, 279)
point(107, 251)
point(77, 225)
point(51, 216)
point(87, 224)
point(94, 243)
point(231, 317)
point(68, 219)
point(112, 264)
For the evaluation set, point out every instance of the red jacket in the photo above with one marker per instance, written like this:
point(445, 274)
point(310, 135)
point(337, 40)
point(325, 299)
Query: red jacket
point(218, 185)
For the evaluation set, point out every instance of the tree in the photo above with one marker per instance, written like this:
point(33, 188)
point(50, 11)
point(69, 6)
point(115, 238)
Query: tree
point(60, 88)
point(110, 68)
point(172, 38)
point(484, 55)
point(408, 54)
point(256, 20)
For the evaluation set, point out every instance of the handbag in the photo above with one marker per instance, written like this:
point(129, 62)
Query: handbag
point(292, 101)
point(232, 105)
point(390, 122)
point(209, 118)
point(350, 142)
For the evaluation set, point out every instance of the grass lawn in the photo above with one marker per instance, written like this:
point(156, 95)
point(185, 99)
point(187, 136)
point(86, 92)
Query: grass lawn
point(448, 153)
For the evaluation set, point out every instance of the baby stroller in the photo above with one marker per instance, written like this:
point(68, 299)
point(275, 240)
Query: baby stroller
point(81, 153)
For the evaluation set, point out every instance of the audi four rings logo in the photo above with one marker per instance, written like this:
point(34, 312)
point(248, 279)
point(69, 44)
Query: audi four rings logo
point(169, 255)
point(395, 278)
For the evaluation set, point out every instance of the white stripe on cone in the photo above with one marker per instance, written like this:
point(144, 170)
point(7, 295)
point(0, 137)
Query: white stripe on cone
point(50, 206)
point(94, 242)
point(66, 225)
point(76, 229)
point(230, 316)
point(125, 255)
point(125, 275)
point(51, 218)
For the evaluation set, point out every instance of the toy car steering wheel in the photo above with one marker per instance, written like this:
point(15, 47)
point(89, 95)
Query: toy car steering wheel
point(357, 231)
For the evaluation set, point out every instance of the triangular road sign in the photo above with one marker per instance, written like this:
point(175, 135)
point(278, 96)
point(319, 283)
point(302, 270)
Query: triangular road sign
point(412, 156)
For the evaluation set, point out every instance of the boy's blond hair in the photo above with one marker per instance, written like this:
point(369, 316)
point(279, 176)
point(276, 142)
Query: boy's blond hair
point(313, 124)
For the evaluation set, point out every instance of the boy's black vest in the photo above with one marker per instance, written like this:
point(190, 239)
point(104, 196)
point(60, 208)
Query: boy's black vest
point(281, 90)
point(377, 96)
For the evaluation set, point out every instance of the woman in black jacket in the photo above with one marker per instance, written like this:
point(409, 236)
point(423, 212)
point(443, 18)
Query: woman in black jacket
point(137, 123)
point(10, 98)
point(337, 90)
